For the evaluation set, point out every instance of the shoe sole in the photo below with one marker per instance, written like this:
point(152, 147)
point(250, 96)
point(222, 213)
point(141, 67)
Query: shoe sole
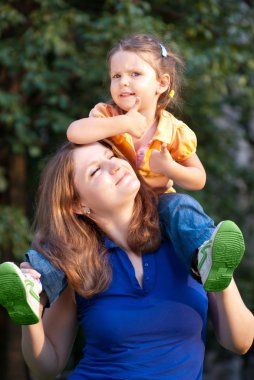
point(227, 251)
point(13, 296)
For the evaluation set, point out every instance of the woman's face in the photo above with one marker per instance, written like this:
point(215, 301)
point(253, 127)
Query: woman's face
point(103, 181)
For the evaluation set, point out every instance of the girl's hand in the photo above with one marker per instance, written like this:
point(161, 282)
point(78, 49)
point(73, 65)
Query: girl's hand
point(161, 161)
point(137, 122)
point(27, 268)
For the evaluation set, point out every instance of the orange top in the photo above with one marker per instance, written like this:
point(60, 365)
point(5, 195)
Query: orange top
point(180, 139)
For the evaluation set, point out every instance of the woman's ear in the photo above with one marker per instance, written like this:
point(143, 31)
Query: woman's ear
point(164, 83)
point(78, 209)
point(81, 210)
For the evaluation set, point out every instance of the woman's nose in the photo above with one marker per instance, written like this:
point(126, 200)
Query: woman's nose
point(114, 167)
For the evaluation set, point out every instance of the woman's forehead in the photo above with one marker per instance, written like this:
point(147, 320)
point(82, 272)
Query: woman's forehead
point(90, 151)
point(85, 155)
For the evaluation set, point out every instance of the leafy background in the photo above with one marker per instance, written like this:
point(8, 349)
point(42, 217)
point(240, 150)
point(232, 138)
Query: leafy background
point(53, 70)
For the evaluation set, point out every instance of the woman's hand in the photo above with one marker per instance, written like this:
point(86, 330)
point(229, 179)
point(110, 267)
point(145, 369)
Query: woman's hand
point(27, 269)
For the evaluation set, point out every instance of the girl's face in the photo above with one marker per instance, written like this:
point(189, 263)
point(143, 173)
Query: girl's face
point(103, 181)
point(131, 76)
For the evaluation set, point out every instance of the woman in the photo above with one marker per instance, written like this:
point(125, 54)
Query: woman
point(143, 315)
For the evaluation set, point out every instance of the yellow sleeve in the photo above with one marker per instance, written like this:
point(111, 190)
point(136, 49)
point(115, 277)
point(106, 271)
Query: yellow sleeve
point(184, 142)
point(103, 110)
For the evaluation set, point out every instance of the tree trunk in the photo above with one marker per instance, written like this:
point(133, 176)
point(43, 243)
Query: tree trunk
point(12, 365)
point(17, 178)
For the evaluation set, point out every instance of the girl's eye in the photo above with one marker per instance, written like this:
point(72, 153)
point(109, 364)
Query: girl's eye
point(94, 172)
point(116, 76)
point(135, 74)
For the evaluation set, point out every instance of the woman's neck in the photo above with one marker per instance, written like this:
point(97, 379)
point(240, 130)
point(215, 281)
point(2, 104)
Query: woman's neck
point(116, 226)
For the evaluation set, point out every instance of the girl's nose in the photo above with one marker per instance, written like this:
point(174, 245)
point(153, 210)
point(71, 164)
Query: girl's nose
point(124, 81)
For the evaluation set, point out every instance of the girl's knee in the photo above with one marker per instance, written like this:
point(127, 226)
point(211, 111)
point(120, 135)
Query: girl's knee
point(176, 201)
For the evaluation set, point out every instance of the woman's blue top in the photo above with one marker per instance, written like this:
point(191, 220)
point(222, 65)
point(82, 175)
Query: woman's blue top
point(156, 331)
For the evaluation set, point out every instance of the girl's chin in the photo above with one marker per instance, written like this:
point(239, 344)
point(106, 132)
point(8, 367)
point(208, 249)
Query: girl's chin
point(126, 105)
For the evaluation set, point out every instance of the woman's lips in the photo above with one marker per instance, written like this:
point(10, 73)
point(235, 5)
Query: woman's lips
point(121, 178)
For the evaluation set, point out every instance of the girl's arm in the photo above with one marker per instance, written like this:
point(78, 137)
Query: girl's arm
point(92, 129)
point(188, 174)
point(232, 320)
point(47, 344)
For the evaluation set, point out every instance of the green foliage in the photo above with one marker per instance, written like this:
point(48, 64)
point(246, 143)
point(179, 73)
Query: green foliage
point(14, 232)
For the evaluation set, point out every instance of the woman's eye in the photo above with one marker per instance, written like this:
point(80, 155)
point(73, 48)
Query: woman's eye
point(116, 76)
point(135, 74)
point(94, 172)
point(110, 155)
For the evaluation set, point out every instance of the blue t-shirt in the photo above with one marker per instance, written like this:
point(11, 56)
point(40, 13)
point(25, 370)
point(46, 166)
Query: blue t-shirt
point(153, 332)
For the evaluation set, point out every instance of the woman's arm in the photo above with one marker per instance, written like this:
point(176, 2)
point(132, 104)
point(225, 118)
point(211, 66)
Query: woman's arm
point(232, 320)
point(47, 344)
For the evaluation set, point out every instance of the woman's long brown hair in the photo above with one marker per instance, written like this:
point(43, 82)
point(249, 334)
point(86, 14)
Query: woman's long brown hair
point(74, 243)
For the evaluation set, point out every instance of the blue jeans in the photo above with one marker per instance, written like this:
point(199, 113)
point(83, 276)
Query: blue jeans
point(53, 279)
point(183, 221)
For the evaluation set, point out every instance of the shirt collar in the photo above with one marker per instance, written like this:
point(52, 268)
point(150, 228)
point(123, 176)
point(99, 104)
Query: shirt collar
point(109, 243)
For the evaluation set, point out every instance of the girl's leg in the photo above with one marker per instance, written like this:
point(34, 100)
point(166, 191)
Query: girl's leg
point(185, 223)
point(53, 279)
point(216, 250)
point(21, 293)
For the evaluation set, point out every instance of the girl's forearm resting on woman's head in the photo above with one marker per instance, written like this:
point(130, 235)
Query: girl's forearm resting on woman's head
point(233, 322)
point(92, 129)
point(46, 345)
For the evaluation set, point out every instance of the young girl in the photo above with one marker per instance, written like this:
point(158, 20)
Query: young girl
point(144, 79)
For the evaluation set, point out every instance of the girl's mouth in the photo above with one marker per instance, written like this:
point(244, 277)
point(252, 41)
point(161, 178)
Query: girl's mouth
point(126, 94)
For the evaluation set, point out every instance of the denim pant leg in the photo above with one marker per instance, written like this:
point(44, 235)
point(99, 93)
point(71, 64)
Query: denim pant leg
point(185, 223)
point(53, 279)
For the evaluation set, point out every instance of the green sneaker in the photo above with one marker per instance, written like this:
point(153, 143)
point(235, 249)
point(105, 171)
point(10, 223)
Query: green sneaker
point(220, 256)
point(19, 294)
